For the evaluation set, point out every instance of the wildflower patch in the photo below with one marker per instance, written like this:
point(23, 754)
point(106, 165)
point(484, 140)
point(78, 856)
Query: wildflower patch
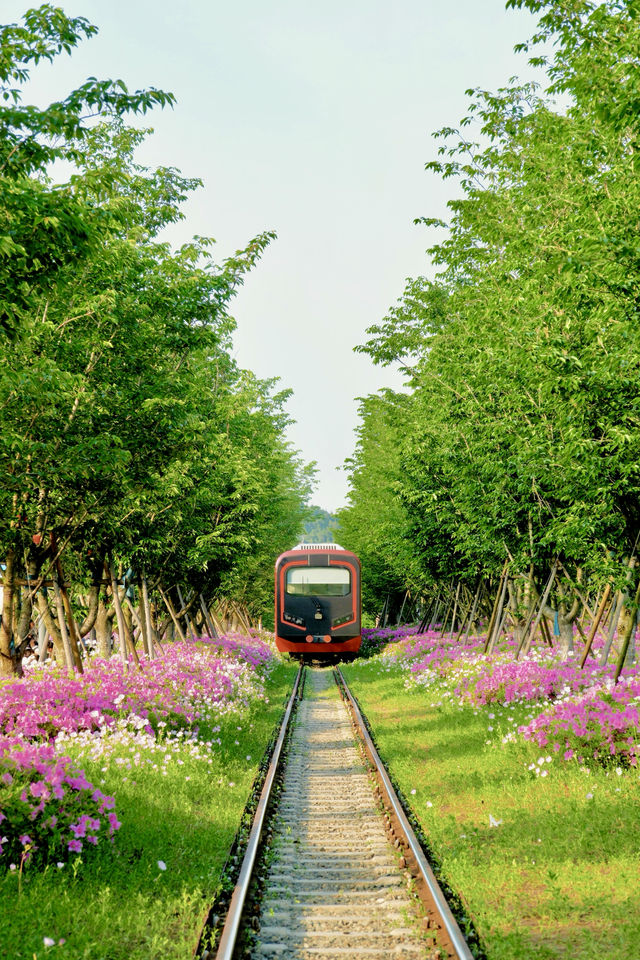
point(143, 718)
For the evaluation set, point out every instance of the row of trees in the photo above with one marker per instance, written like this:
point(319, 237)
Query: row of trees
point(518, 439)
point(130, 442)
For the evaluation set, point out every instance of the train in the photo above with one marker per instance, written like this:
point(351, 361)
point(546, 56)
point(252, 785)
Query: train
point(318, 603)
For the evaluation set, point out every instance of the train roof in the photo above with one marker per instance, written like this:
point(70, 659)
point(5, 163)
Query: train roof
point(317, 546)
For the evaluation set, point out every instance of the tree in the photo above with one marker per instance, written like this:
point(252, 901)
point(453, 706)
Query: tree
point(520, 439)
point(130, 441)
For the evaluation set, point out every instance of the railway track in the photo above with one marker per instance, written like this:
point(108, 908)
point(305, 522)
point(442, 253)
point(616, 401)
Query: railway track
point(342, 875)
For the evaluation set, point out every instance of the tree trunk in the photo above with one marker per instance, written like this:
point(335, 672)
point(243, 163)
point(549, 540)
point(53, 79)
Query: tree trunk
point(104, 628)
point(122, 633)
point(565, 624)
point(74, 639)
point(524, 649)
point(43, 641)
point(494, 611)
point(89, 621)
point(210, 627)
point(66, 643)
point(497, 620)
point(436, 612)
point(628, 629)
point(595, 624)
point(129, 615)
point(147, 616)
point(7, 667)
point(172, 612)
point(186, 607)
point(622, 600)
point(455, 608)
point(52, 628)
point(474, 607)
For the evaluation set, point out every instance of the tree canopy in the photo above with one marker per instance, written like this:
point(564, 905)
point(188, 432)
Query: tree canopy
point(128, 433)
point(518, 437)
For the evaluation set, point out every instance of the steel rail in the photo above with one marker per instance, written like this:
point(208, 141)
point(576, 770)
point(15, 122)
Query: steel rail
point(449, 921)
point(231, 927)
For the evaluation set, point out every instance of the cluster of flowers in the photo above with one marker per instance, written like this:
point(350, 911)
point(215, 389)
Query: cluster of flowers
point(375, 639)
point(580, 713)
point(252, 649)
point(129, 744)
point(534, 678)
point(190, 682)
point(602, 723)
point(47, 806)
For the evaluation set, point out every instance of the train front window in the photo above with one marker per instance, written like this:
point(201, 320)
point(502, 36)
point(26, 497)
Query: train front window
point(318, 581)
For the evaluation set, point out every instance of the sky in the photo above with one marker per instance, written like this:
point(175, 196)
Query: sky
point(314, 120)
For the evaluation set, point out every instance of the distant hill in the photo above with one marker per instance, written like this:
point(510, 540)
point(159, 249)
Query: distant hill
point(321, 528)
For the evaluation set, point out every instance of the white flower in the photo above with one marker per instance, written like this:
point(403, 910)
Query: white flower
point(248, 756)
point(429, 804)
point(493, 822)
point(59, 865)
point(49, 942)
point(162, 865)
point(412, 792)
point(619, 771)
point(589, 796)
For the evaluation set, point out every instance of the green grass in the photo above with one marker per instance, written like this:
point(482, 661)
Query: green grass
point(118, 904)
point(558, 877)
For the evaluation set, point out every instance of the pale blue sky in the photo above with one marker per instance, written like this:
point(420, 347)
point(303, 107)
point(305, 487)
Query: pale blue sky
point(314, 120)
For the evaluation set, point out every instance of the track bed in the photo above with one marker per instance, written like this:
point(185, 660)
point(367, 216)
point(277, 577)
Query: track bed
point(334, 887)
point(342, 874)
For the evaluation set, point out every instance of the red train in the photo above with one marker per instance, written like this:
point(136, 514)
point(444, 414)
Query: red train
point(317, 595)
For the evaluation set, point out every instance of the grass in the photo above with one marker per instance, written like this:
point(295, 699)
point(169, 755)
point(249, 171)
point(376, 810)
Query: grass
point(180, 812)
point(544, 854)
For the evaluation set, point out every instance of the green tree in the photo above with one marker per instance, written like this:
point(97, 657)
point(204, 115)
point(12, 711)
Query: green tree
point(129, 437)
point(521, 435)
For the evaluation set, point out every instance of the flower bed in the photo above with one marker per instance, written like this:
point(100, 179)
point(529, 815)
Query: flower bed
point(580, 713)
point(189, 682)
point(600, 725)
point(48, 808)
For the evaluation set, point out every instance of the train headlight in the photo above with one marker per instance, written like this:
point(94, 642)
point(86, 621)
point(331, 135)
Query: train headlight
point(290, 618)
point(340, 620)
